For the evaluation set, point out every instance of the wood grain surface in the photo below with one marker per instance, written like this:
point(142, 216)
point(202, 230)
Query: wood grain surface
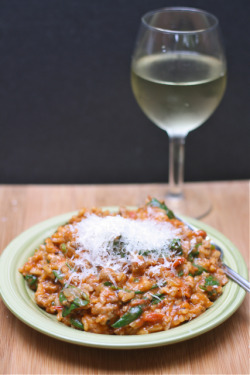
point(224, 350)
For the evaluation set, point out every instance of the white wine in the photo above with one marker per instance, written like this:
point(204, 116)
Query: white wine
point(178, 91)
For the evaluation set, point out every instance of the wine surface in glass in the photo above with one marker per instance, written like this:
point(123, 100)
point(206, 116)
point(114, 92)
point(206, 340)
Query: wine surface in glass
point(178, 91)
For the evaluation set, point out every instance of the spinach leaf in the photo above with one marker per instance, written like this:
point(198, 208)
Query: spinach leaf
point(175, 246)
point(194, 252)
point(64, 248)
point(155, 203)
point(199, 271)
point(77, 323)
point(107, 283)
point(62, 297)
point(132, 314)
point(74, 305)
point(32, 281)
point(157, 298)
point(211, 281)
point(58, 274)
point(118, 247)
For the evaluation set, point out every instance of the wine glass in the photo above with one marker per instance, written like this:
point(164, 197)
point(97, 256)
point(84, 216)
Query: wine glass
point(178, 77)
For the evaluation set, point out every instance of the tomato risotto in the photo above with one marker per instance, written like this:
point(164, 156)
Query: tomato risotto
point(125, 273)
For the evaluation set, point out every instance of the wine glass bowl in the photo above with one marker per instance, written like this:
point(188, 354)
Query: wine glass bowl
point(178, 78)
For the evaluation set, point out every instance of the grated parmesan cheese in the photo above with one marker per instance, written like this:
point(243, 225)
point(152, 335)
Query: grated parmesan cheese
point(96, 238)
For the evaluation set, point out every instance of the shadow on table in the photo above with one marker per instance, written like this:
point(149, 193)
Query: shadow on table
point(70, 358)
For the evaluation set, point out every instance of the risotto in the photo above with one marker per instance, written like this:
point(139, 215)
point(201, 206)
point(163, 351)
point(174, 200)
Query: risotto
point(125, 273)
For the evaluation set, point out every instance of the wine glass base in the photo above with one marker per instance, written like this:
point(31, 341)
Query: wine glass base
point(191, 203)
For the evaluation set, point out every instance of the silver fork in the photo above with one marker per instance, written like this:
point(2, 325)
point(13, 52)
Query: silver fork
point(228, 271)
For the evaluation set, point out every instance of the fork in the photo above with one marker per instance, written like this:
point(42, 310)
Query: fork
point(233, 275)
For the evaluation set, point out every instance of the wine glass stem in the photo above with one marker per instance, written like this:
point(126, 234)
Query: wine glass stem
point(176, 166)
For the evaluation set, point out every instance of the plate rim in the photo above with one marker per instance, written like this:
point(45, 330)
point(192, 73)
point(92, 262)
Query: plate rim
point(67, 334)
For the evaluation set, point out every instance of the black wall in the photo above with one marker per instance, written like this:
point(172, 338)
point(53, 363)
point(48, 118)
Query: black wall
point(67, 113)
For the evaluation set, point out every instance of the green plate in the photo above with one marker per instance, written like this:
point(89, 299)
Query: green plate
point(20, 300)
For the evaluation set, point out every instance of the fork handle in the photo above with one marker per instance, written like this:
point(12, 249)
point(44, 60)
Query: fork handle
point(237, 278)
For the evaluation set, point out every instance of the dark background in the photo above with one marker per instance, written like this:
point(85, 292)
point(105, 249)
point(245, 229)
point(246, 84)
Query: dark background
point(67, 113)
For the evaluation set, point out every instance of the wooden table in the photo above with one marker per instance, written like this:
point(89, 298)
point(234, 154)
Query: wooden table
point(223, 350)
